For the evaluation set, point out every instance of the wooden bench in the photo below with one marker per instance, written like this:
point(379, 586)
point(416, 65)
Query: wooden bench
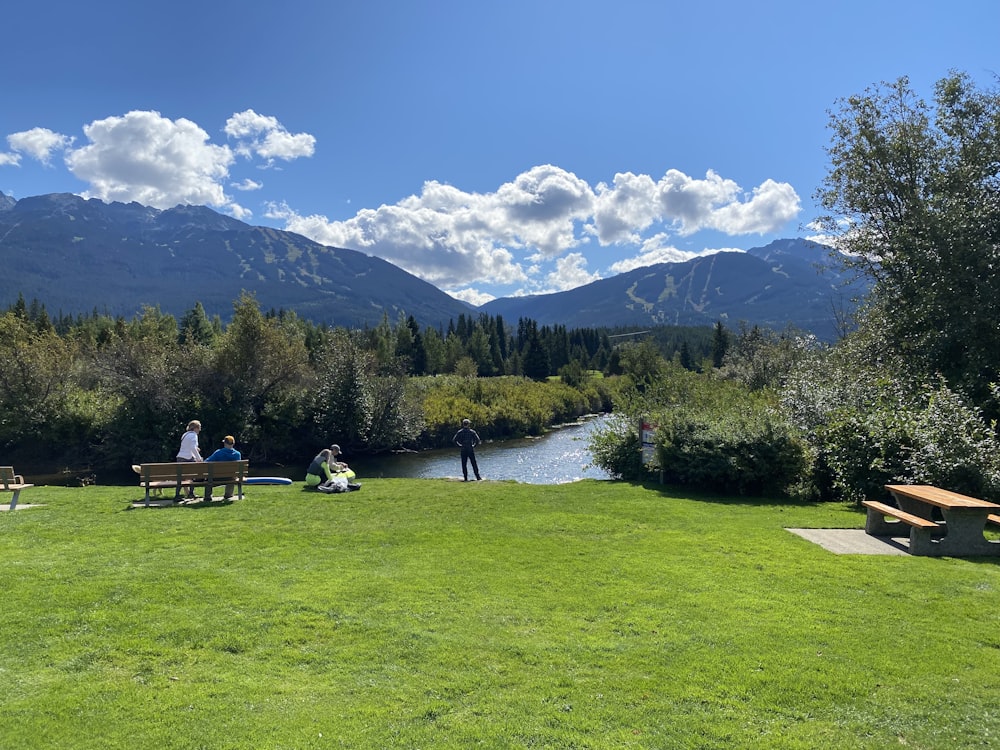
point(12, 483)
point(920, 528)
point(191, 475)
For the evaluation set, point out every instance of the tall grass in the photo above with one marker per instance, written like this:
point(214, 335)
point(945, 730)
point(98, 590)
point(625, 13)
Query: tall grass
point(434, 614)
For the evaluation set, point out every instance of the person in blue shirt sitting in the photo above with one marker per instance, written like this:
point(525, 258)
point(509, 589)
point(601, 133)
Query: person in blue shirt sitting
point(226, 453)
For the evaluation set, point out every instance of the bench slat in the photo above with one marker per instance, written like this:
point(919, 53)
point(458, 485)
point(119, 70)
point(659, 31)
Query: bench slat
point(902, 515)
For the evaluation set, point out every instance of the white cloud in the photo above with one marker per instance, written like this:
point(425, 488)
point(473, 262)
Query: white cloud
point(625, 209)
point(773, 205)
point(445, 236)
point(634, 203)
point(239, 212)
point(151, 159)
point(145, 157)
point(472, 296)
point(452, 238)
point(541, 209)
point(691, 203)
point(265, 136)
point(570, 273)
point(248, 185)
point(39, 143)
point(653, 253)
point(823, 237)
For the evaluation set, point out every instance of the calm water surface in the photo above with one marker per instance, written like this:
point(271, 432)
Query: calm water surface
point(557, 457)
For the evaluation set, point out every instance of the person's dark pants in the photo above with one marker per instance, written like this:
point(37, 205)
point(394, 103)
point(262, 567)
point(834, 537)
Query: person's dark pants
point(467, 456)
point(189, 490)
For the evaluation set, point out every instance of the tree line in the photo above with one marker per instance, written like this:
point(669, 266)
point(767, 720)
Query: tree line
point(92, 390)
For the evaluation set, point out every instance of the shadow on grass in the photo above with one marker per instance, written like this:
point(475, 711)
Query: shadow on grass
point(166, 505)
point(683, 492)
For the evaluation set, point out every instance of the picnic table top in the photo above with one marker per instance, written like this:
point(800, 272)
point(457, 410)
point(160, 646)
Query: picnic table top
point(939, 497)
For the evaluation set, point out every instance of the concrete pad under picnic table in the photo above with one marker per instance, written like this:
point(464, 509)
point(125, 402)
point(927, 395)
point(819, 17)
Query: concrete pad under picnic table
point(21, 506)
point(855, 541)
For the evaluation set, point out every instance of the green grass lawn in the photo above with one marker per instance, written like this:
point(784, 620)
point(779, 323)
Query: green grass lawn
point(436, 614)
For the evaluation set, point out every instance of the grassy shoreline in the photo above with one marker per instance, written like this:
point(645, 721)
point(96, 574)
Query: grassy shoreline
point(426, 613)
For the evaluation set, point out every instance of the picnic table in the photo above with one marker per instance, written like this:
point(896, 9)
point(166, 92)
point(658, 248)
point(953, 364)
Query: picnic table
point(942, 522)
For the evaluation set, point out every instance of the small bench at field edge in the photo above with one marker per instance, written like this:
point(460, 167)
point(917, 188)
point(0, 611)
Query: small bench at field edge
point(11, 482)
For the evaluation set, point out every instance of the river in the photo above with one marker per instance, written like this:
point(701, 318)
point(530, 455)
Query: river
point(561, 455)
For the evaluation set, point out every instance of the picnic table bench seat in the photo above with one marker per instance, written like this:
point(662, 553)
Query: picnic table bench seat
point(877, 525)
point(191, 475)
point(11, 482)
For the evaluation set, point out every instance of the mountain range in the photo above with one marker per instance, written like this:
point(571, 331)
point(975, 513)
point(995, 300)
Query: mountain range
point(75, 256)
point(790, 282)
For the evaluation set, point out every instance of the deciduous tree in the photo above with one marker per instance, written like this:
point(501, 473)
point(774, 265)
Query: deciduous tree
point(913, 197)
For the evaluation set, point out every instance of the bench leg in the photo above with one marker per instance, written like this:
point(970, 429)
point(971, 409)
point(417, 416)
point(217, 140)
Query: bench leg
point(876, 525)
point(13, 500)
point(965, 535)
point(921, 540)
point(921, 543)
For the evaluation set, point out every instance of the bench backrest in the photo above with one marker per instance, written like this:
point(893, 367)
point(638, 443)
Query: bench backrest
point(7, 476)
point(210, 470)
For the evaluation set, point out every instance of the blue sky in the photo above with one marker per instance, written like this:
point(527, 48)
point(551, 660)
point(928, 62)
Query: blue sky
point(491, 148)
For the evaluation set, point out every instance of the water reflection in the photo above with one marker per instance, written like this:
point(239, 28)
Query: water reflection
point(559, 456)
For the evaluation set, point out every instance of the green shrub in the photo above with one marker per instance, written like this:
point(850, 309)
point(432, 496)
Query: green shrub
point(930, 438)
point(615, 448)
point(752, 451)
point(712, 434)
point(870, 429)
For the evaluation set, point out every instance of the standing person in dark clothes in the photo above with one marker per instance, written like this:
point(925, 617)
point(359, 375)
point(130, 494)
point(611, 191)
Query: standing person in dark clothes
point(467, 439)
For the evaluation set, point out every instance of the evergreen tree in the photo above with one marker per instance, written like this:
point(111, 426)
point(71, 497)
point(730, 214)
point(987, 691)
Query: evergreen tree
point(259, 367)
point(720, 344)
point(502, 338)
point(684, 356)
point(20, 308)
point(535, 357)
point(418, 356)
point(195, 327)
